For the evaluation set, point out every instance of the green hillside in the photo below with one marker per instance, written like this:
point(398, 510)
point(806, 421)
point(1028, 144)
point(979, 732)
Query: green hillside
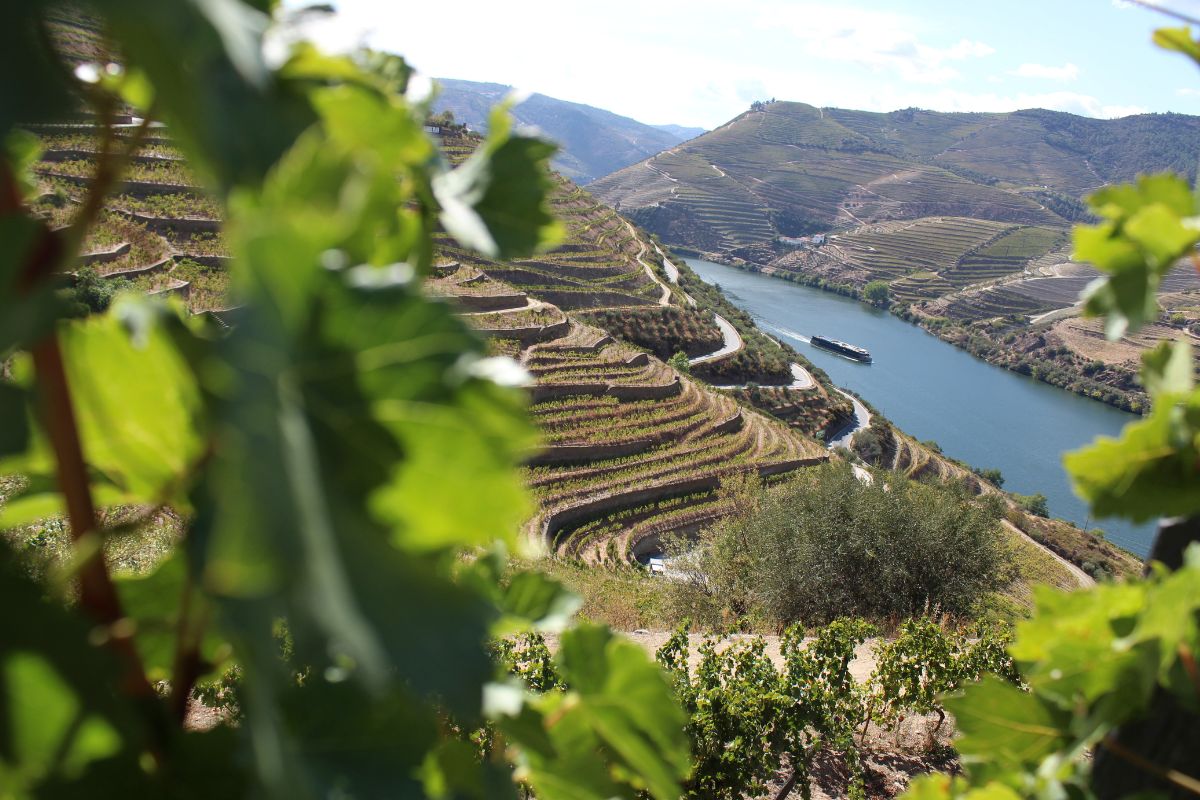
point(789, 169)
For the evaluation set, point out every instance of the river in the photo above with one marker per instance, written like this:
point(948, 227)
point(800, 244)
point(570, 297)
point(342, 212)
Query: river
point(981, 414)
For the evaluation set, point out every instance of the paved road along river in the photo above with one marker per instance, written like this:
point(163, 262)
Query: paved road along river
point(984, 415)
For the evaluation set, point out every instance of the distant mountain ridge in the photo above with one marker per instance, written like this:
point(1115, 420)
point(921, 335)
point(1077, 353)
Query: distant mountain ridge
point(787, 169)
point(594, 142)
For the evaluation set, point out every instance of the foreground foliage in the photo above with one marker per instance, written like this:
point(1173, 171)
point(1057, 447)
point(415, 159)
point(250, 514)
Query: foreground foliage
point(747, 715)
point(334, 456)
point(1113, 671)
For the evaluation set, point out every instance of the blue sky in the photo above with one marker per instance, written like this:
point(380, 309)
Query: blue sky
point(701, 62)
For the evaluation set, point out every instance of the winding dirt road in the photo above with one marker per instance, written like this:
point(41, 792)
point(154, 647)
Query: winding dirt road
point(733, 342)
point(862, 418)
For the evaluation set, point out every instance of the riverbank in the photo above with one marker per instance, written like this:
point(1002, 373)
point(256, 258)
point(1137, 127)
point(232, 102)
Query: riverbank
point(1025, 352)
point(975, 413)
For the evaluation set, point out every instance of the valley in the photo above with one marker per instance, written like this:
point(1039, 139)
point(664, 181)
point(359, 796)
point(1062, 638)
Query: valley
point(964, 218)
point(635, 451)
point(1014, 423)
point(350, 450)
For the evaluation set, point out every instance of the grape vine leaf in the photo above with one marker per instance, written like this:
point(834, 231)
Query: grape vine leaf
point(1003, 724)
point(527, 600)
point(36, 87)
point(14, 434)
point(1147, 228)
point(1151, 470)
point(1178, 39)
point(1167, 369)
point(618, 703)
point(495, 201)
point(140, 446)
point(23, 151)
point(358, 744)
point(58, 713)
point(945, 787)
point(228, 110)
point(153, 600)
point(26, 313)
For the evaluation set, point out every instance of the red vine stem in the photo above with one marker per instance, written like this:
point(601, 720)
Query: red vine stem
point(97, 596)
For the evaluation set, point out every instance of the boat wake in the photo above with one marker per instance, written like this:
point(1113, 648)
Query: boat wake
point(790, 334)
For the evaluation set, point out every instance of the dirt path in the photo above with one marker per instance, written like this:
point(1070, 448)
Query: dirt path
point(665, 300)
point(733, 342)
point(861, 667)
point(862, 418)
point(1085, 581)
point(804, 379)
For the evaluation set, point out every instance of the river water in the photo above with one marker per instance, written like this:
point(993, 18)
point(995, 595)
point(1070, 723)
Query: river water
point(983, 415)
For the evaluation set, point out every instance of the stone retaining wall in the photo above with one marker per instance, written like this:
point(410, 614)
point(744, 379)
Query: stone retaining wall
point(573, 271)
point(158, 266)
point(731, 425)
point(212, 262)
point(649, 540)
point(133, 188)
point(178, 225)
point(557, 455)
point(104, 256)
point(583, 300)
point(489, 302)
point(554, 522)
point(529, 335)
point(179, 288)
point(51, 156)
point(653, 391)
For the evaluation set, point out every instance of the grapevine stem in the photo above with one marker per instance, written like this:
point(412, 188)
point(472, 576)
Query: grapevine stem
point(189, 664)
point(787, 787)
point(1172, 776)
point(98, 597)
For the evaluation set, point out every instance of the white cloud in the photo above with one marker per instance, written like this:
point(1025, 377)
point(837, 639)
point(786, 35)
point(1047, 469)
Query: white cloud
point(883, 41)
point(701, 62)
point(1187, 91)
point(1067, 72)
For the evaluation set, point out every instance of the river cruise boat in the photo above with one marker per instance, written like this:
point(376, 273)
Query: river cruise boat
point(842, 348)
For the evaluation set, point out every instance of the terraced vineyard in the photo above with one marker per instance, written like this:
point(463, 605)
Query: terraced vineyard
point(633, 449)
point(1003, 255)
point(626, 437)
point(158, 234)
point(631, 446)
point(937, 205)
point(932, 245)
